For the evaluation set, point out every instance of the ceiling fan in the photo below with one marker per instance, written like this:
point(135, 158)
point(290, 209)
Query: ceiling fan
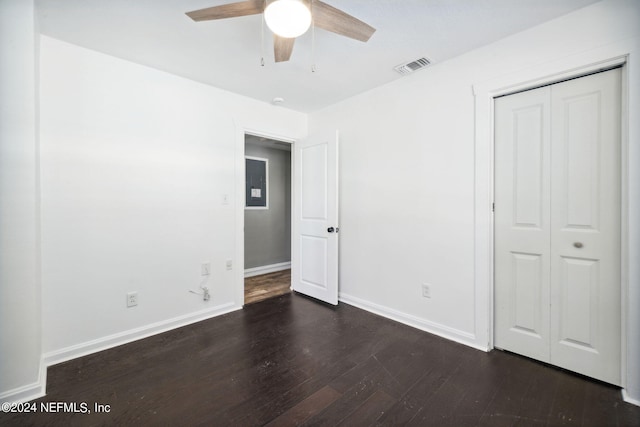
point(289, 19)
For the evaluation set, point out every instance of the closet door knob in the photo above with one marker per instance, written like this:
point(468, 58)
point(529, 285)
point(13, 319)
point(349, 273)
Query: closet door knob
point(331, 229)
point(578, 245)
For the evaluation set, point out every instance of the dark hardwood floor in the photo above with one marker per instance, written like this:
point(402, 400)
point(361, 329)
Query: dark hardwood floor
point(293, 361)
point(265, 286)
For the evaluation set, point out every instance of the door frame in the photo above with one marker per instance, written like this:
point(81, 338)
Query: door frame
point(609, 56)
point(238, 267)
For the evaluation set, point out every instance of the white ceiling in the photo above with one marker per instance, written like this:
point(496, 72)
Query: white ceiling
point(226, 53)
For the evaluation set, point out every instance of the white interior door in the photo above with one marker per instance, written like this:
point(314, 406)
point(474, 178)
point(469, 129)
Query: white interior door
point(557, 225)
point(314, 266)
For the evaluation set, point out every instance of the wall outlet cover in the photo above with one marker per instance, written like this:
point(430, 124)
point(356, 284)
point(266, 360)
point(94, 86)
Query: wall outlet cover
point(426, 290)
point(132, 299)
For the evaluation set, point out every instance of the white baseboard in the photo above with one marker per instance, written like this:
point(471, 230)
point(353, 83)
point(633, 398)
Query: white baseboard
point(256, 271)
point(629, 399)
point(30, 391)
point(38, 389)
point(443, 331)
point(125, 337)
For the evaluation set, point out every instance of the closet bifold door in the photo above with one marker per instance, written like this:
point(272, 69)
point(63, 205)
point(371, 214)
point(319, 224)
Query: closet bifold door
point(557, 225)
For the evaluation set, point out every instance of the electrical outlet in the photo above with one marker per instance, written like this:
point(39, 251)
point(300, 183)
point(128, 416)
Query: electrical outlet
point(205, 269)
point(426, 290)
point(229, 264)
point(132, 299)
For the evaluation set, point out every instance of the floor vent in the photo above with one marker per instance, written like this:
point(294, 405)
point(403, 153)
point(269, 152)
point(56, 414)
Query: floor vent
point(412, 66)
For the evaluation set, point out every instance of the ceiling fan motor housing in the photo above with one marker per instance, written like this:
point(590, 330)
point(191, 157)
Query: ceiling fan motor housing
point(288, 18)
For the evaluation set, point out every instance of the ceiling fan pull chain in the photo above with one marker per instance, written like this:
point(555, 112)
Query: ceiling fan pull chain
point(313, 41)
point(262, 37)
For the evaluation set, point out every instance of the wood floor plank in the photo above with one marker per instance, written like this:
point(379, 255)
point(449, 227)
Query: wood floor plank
point(626, 415)
point(439, 409)
point(569, 402)
point(537, 400)
point(507, 403)
point(402, 358)
point(285, 401)
point(292, 360)
point(443, 359)
point(372, 409)
point(599, 409)
point(307, 408)
point(265, 286)
point(481, 384)
point(356, 386)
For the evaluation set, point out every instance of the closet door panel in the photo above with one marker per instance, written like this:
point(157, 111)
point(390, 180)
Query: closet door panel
point(522, 223)
point(585, 226)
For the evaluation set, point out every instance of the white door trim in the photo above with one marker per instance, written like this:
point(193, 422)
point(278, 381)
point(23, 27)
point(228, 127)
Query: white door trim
point(238, 268)
point(624, 52)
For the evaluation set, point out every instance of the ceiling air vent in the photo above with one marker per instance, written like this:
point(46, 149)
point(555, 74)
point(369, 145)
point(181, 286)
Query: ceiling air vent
point(412, 66)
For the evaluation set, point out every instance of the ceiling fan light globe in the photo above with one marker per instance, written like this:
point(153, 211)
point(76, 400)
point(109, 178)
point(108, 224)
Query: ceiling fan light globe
point(288, 18)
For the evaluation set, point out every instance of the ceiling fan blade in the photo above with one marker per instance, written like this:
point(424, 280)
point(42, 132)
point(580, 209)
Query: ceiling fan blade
point(331, 19)
point(231, 10)
point(282, 48)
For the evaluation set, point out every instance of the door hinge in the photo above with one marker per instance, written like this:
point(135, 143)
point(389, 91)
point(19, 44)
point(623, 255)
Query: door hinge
point(493, 207)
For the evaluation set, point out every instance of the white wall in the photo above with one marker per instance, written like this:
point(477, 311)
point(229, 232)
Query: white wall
point(135, 163)
point(20, 326)
point(408, 182)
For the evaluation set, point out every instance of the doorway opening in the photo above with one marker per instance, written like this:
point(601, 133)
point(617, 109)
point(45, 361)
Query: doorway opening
point(267, 218)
